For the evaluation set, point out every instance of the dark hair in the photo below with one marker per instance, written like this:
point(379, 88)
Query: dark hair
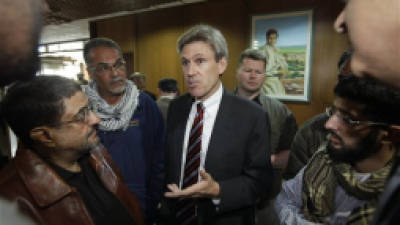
point(168, 85)
point(98, 42)
point(271, 31)
point(34, 103)
point(382, 104)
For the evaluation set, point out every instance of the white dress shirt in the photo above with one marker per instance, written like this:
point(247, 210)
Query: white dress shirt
point(211, 106)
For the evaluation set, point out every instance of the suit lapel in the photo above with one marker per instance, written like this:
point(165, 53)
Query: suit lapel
point(40, 178)
point(182, 118)
point(222, 125)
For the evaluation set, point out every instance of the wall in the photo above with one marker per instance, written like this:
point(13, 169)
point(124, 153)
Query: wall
point(152, 38)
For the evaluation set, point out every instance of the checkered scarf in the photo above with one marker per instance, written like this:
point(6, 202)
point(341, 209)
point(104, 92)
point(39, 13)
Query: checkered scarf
point(321, 177)
point(113, 117)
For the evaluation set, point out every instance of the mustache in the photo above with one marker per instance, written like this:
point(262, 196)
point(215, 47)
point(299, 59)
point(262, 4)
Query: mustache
point(332, 133)
point(117, 79)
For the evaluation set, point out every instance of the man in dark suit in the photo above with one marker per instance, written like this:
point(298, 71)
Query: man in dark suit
point(218, 149)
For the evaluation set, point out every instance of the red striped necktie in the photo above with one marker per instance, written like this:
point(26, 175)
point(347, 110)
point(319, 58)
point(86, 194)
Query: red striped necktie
point(186, 213)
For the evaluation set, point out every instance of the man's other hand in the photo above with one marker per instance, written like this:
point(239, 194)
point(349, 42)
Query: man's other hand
point(207, 187)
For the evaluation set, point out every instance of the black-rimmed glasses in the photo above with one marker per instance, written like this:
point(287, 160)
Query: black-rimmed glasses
point(330, 111)
point(102, 68)
point(81, 117)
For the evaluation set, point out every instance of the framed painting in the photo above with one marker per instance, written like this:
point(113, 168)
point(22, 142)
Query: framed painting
point(286, 40)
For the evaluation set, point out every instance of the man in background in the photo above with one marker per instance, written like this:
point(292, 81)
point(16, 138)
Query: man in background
point(131, 126)
point(250, 78)
point(140, 81)
point(168, 89)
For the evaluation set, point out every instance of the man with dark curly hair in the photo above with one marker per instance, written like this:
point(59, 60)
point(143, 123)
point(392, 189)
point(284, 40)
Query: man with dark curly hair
point(343, 180)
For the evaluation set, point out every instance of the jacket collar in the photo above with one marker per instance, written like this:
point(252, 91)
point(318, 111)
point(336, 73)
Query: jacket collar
point(45, 186)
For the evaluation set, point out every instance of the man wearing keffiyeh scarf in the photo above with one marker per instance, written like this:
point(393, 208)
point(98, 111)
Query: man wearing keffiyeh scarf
point(113, 117)
point(131, 126)
point(344, 179)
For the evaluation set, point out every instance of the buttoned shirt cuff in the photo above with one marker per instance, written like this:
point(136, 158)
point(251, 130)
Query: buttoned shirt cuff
point(216, 201)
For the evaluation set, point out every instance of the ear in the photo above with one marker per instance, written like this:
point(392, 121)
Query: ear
point(222, 64)
point(42, 135)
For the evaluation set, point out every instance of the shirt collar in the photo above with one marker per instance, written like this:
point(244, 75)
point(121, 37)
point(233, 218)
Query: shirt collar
point(214, 99)
point(167, 97)
point(257, 100)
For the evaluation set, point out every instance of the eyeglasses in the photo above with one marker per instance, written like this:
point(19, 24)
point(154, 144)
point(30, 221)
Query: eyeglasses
point(81, 117)
point(330, 111)
point(103, 68)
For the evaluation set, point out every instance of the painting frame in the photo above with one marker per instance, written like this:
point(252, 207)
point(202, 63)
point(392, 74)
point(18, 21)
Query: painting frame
point(289, 53)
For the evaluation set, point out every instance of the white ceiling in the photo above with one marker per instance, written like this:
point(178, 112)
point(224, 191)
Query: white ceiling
point(78, 29)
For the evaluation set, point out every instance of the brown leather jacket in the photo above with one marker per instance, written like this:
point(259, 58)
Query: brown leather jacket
point(51, 201)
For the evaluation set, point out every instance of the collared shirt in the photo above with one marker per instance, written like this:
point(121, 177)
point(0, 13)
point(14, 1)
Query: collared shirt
point(211, 106)
point(257, 100)
point(167, 96)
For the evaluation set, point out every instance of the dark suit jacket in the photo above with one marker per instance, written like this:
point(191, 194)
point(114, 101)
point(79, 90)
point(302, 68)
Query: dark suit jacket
point(238, 158)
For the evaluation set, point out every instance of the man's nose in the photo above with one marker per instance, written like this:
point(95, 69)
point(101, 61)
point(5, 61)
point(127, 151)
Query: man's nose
point(191, 69)
point(114, 71)
point(253, 74)
point(332, 122)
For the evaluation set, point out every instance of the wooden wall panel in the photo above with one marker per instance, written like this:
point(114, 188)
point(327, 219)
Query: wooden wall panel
point(157, 33)
point(152, 36)
point(121, 30)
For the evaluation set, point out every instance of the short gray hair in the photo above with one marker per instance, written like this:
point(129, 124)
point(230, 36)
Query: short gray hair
point(98, 42)
point(253, 54)
point(207, 34)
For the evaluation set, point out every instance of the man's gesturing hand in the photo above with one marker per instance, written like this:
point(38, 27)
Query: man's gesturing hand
point(207, 187)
